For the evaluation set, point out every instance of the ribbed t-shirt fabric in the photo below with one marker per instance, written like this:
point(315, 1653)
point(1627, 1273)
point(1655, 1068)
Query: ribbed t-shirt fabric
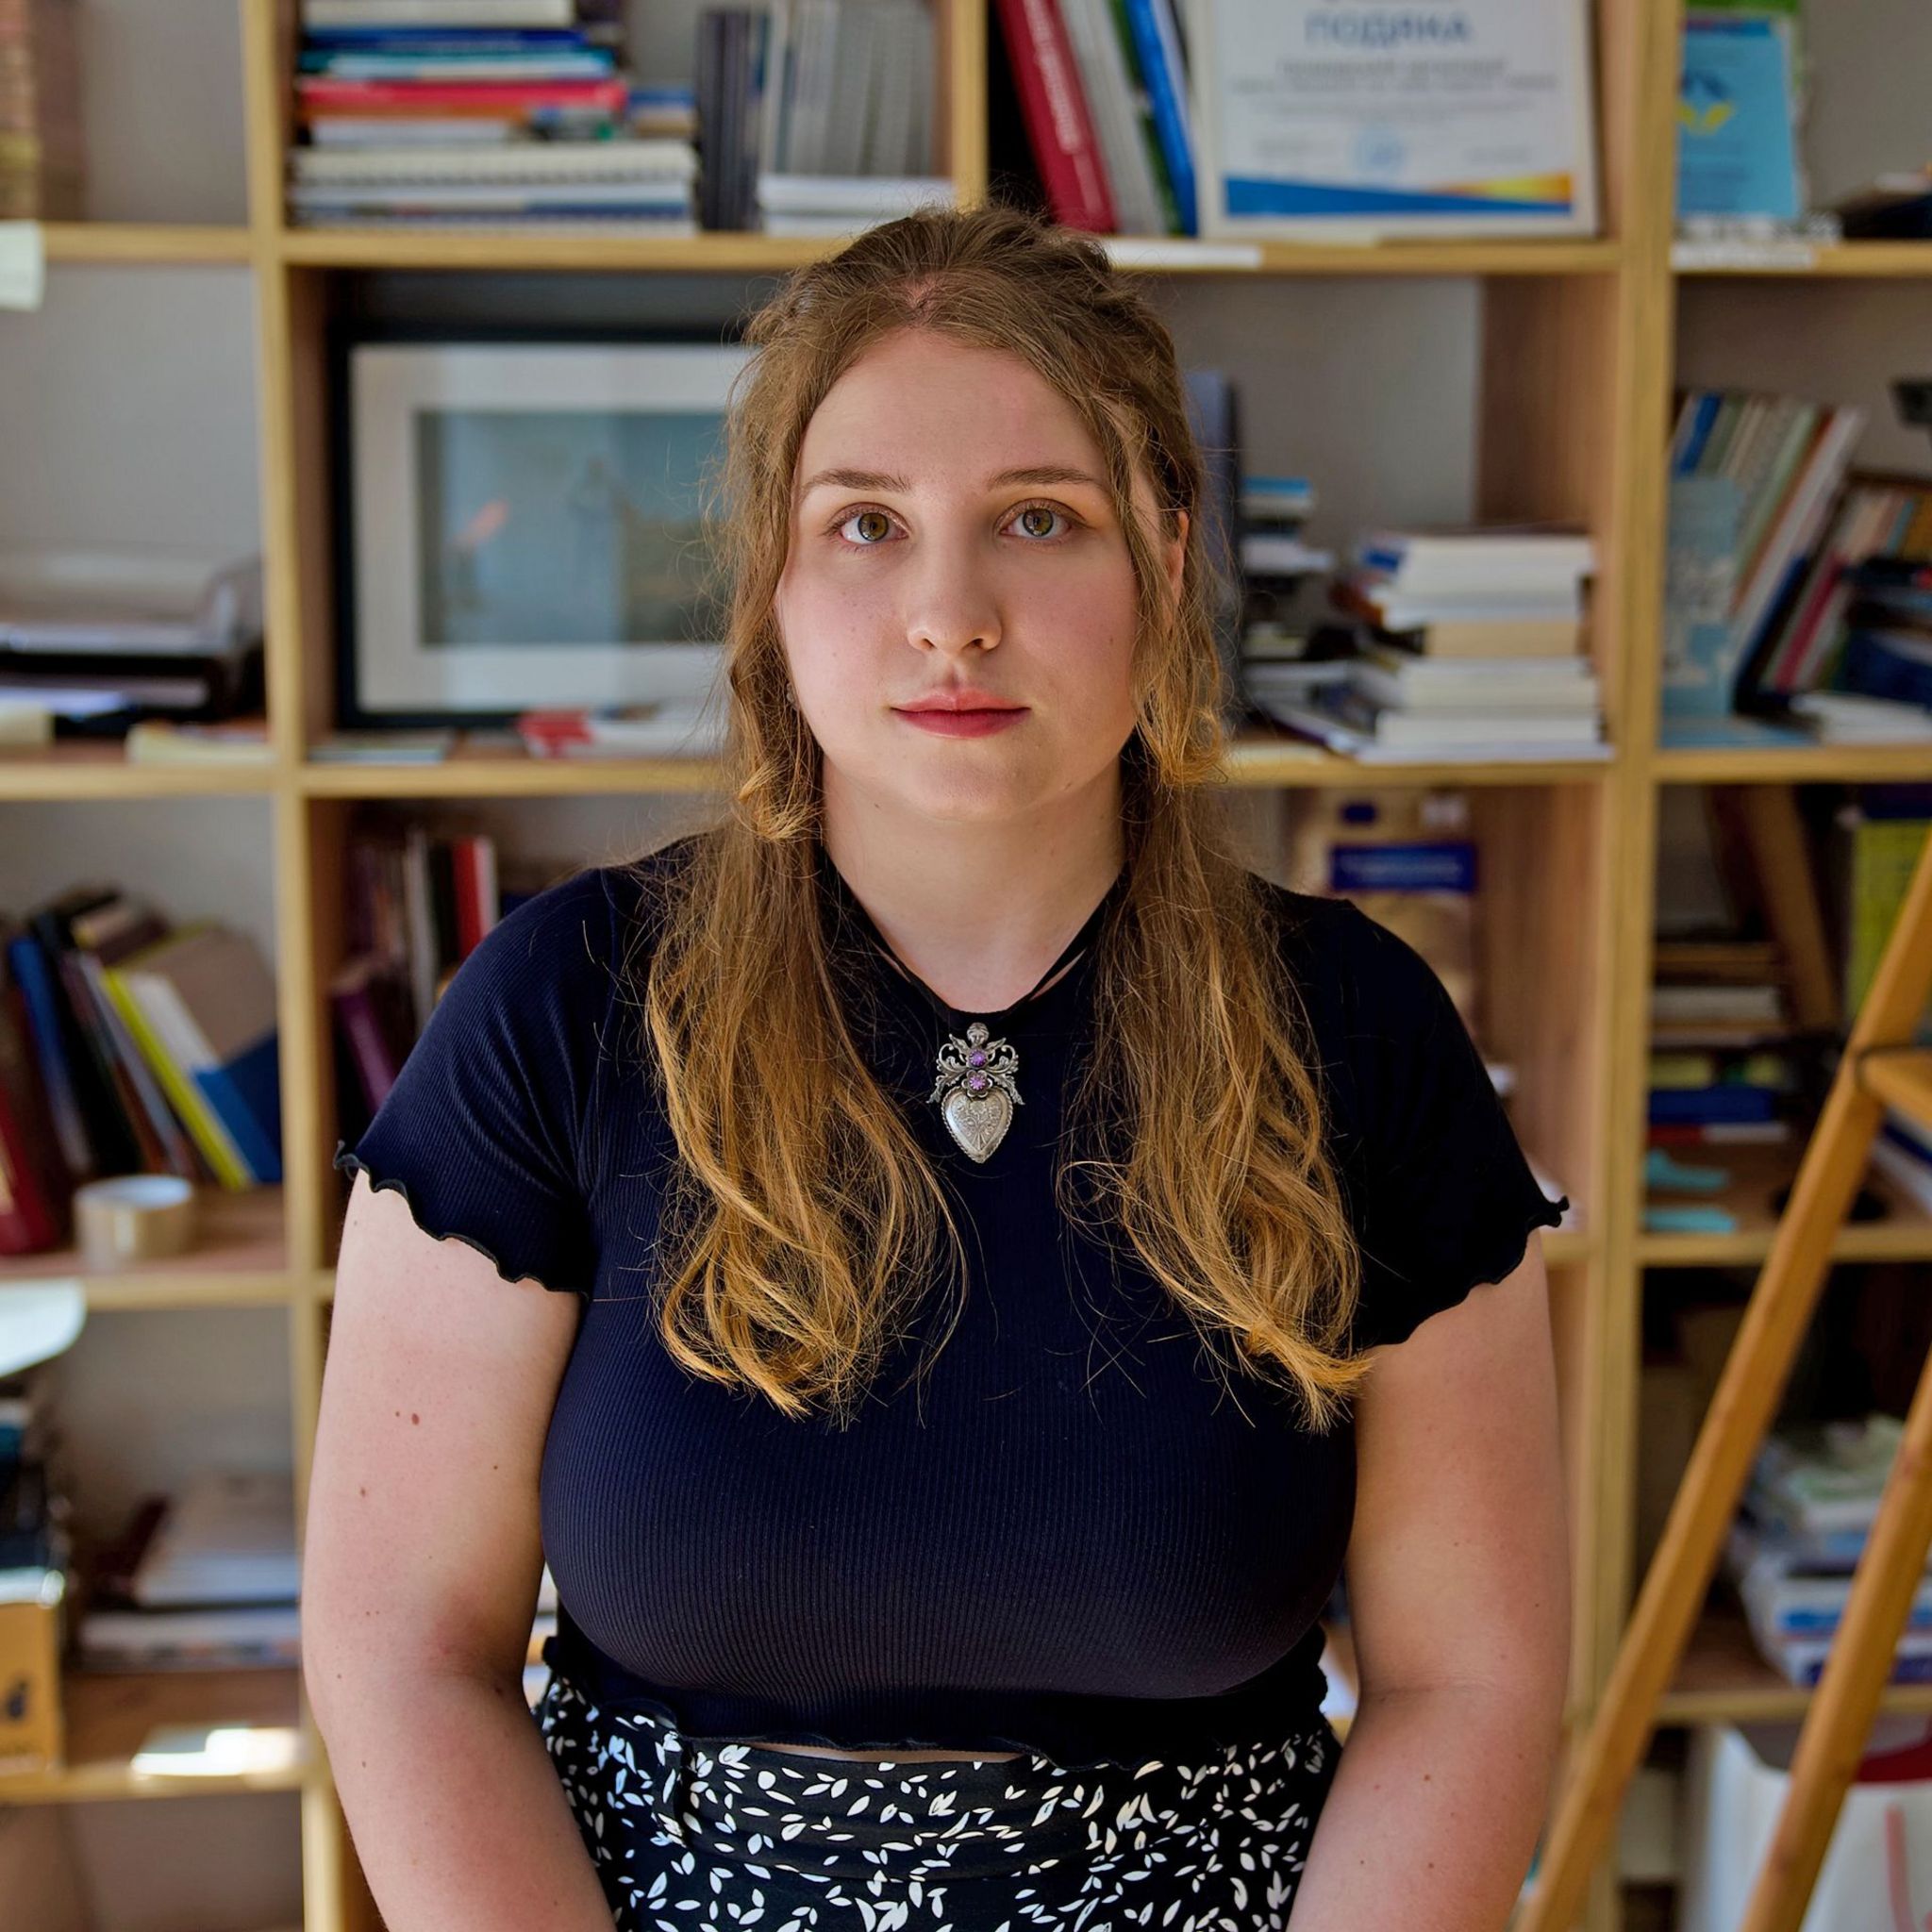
point(1072, 1534)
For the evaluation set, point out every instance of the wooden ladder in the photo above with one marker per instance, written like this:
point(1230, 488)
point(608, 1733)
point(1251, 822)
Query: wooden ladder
point(1880, 1068)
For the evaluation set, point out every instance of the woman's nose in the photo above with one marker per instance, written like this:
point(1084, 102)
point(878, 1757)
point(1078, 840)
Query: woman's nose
point(950, 597)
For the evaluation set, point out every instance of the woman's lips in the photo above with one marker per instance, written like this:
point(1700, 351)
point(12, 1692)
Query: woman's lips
point(965, 724)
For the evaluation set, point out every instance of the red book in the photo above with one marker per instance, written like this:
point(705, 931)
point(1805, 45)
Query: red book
point(319, 91)
point(36, 1194)
point(1053, 104)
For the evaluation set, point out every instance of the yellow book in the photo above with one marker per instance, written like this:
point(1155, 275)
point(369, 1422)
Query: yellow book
point(184, 1096)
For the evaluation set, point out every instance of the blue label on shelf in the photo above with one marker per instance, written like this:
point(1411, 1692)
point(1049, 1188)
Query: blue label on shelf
point(1436, 865)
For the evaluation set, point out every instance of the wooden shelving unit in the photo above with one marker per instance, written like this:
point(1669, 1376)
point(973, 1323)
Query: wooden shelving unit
point(1575, 378)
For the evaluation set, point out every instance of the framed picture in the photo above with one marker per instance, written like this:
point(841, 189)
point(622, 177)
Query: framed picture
point(518, 518)
point(1335, 120)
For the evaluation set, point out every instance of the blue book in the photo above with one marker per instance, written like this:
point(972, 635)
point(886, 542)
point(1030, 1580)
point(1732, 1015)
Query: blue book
point(444, 40)
point(1737, 150)
point(1887, 664)
point(1704, 411)
point(1431, 865)
point(247, 1095)
point(1157, 53)
point(1698, 1105)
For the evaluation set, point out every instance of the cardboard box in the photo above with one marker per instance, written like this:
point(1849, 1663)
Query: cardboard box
point(32, 1630)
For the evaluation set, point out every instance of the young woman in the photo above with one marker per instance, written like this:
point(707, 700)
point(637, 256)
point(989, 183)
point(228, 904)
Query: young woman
point(1006, 1252)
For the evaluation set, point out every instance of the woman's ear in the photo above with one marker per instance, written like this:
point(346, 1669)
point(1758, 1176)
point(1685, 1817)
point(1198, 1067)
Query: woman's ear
point(1177, 552)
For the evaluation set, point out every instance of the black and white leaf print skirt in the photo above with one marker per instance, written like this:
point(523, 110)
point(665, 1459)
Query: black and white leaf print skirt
point(688, 1832)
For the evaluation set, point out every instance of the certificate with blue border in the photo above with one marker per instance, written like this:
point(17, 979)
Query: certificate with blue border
point(1347, 120)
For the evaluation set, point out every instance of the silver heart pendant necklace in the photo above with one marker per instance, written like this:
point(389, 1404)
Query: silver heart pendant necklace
point(978, 1088)
point(977, 1083)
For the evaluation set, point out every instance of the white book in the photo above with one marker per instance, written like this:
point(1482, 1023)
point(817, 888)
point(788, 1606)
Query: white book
point(1110, 88)
point(1798, 523)
point(1419, 669)
point(1911, 1176)
point(1425, 552)
point(509, 196)
point(881, 196)
point(1525, 697)
point(1263, 550)
point(353, 131)
point(453, 13)
point(229, 1538)
point(1530, 751)
point(1401, 610)
point(1717, 1003)
point(625, 225)
point(805, 145)
point(523, 161)
point(1843, 717)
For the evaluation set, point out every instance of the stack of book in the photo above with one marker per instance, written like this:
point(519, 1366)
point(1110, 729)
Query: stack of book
point(1806, 1516)
point(1856, 614)
point(1470, 647)
point(34, 1539)
point(497, 111)
point(417, 904)
point(1706, 1094)
point(1765, 537)
point(832, 129)
point(1276, 563)
point(41, 171)
point(1719, 1025)
point(205, 1580)
point(93, 642)
point(1095, 94)
point(1098, 95)
point(129, 1046)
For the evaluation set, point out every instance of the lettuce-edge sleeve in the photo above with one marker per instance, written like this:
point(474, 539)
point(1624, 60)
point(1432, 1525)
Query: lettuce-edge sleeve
point(1447, 1198)
point(483, 1132)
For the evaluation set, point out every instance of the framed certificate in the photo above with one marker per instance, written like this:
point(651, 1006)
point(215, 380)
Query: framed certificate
point(1352, 120)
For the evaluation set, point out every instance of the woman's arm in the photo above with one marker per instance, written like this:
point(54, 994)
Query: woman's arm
point(1459, 1589)
point(421, 1564)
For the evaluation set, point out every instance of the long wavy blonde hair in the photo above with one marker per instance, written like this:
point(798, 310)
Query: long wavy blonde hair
point(801, 1221)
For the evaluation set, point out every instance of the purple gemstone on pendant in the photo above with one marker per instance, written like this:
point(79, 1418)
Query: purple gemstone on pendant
point(976, 1083)
point(975, 1060)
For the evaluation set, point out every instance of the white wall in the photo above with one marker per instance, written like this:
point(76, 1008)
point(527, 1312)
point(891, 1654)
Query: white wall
point(191, 858)
point(128, 413)
point(1871, 79)
point(146, 1398)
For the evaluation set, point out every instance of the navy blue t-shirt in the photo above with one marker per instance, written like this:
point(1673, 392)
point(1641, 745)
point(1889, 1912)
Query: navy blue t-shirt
point(1074, 1534)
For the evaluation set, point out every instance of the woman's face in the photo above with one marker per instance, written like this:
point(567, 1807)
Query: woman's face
point(926, 561)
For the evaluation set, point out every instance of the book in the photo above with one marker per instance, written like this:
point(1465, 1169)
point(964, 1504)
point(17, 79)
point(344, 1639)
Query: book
point(1736, 145)
point(227, 1539)
point(620, 158)
point(200, 1003)
point(1481, 557)
point(1059, 129)
point(441, 13)
point(1160, 60)
point(1347, 721)
point(1102, 47)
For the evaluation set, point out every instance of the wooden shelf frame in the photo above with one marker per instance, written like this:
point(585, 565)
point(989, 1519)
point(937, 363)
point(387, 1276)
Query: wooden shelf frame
point(1575, 380)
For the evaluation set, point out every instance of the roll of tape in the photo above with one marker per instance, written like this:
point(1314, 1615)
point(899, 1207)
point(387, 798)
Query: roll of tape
point(133, 1217)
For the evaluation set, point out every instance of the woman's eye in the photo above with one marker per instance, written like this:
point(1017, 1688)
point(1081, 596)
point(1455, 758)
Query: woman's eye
point(876, 517)
point(1026, 516)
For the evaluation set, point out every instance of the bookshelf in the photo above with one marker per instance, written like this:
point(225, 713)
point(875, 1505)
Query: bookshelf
point(1574, 356)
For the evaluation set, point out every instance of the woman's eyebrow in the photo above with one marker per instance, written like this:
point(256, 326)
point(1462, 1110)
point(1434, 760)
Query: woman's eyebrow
point(1041, 474)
